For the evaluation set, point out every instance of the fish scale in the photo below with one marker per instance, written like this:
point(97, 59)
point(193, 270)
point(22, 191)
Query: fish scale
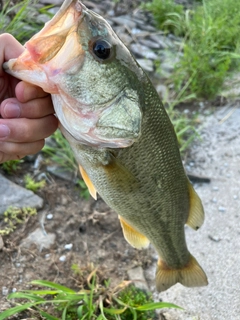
point(120, 134)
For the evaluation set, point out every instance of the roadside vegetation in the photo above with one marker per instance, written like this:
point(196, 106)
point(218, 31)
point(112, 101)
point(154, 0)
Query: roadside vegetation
point(211, 47)
point(94, 300)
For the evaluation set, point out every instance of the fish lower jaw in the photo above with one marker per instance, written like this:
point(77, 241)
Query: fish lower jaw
point(90, 140)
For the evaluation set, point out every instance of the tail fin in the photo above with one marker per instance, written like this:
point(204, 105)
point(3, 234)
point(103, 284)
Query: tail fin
point(191, 275)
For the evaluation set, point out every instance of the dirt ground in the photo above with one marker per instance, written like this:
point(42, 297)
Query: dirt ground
point(90, 226)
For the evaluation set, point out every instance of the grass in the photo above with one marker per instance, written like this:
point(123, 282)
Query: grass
point(96, 301)
point(61, 153)
point(20, 19)
point(167, 14)
point(11, 166)
point(211, 43)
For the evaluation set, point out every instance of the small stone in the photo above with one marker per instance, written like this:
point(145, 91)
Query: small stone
point(42, 18)
point(60, 172)
point(63, 258)
point(40, 239)
point(221, 209)
point(214, 200)
point(64, 200)
point(215, 188)
point(16, 196)
point(163, 91)
point(14, 290)
point(1, 243)
point(137, 31)
point(137, 276)
point(124, 21)
point(147, 65)
point(149, 43)
point(235, 197)
point(49, 216)
point(142, 51)
point(4, 291)
point(68, 246)
point(214, 238)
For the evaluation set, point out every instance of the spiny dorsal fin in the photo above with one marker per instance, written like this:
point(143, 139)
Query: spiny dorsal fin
point(88, 182)
point(133, 237)
point(191, 275)
point(196, 211)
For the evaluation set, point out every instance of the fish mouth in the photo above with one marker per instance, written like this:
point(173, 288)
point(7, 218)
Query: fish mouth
point(45, 55)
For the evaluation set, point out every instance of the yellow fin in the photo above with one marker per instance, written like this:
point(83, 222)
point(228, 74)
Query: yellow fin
point(133, 237)
point(88, 182)
point(191, 275)
point(196, 212)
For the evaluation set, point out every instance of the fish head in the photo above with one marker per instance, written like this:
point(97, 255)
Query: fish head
point(95, 83)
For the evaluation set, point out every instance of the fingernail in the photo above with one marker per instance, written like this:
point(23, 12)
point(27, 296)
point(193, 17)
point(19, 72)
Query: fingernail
point(4, 131)
point(12, 110)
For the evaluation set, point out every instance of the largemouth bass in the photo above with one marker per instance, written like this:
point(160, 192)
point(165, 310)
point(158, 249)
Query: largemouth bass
point(120, 133)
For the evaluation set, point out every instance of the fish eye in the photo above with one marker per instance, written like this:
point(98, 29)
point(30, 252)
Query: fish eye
point(102, 49)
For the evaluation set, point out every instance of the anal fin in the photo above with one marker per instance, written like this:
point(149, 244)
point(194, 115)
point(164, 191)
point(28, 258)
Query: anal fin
point(191, 275)
point(196, 211)
point(133, 237)
point(89, 183)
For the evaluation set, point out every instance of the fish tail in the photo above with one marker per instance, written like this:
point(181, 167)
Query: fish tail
point(191, 275)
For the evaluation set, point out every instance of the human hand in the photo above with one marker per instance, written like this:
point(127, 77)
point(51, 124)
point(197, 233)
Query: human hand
point(26, 111)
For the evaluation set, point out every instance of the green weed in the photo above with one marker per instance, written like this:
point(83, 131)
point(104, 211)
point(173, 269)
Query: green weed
point(12, 217)
point(11, 166)
point(211, 42)
point(33, 185)
point(211, 48)
point(61, 153)
point(97, 301)
point(167, 14)
point(19, 20)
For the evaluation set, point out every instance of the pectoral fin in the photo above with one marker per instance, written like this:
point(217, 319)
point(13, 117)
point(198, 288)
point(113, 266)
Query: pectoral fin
point(196, 212)
point(133, 237)
point(88, 182)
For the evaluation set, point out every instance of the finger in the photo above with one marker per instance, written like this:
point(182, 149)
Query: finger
point(37, 108)
point(27, 130)
point(6, 157)
point(19, 150)
point(25, 92)
point(10, 48)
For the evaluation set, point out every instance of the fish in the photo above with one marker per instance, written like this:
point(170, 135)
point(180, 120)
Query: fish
point(120, 133)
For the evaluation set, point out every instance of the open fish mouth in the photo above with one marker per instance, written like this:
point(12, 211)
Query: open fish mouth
point(45, 55)
point(62, 60)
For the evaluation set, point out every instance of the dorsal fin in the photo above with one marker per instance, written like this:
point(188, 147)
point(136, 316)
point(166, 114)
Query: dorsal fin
point(133, 237)
point(196, 211)
point(89, 184)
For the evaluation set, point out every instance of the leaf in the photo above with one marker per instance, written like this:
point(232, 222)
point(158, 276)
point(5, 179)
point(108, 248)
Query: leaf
point(47, 315)
point(156, 305)
point(12, 311)
point(42, 292)
point(23, 295)
point(53, 285)
point(114, 311)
